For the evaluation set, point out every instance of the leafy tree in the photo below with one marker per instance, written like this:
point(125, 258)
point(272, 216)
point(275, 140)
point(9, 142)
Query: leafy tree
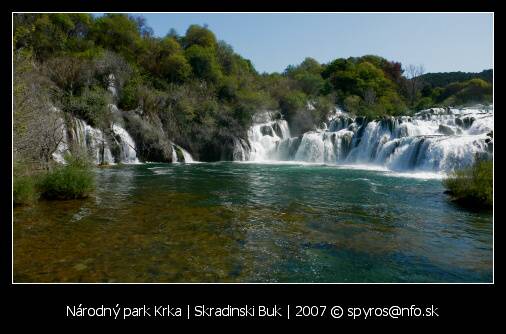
point(199, 36)
point(203, 63)
point(52, 34)
point(175, 68)
point(352, 104)
point(117, 32)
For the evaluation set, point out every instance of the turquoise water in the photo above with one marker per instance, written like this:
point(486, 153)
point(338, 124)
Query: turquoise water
point(238, 222)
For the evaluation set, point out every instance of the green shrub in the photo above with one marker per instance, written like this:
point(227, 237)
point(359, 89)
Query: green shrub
point(472, 186)
point(91, 105)
point(72, 181)
point(24, 190)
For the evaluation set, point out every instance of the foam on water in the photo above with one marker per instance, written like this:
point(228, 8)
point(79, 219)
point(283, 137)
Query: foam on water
point(432, 142)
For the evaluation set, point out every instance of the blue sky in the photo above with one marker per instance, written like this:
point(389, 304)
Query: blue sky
point(441, 42)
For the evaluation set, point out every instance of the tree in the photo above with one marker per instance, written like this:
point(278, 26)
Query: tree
point(52, 34)
point(38, 127)
point(203, 63)
point(414, 83)
point(175, 68)
point(307, 76)
point(352, 104)
point(108, 63)
point(119, 33)
point(201, 36)
point(70, 74)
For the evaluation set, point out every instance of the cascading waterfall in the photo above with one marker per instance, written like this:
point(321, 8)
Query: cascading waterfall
point(81, 136)
point(78, 135)
point(433, 140)
point(183, 156)
point(128, 153)
point(264, 137)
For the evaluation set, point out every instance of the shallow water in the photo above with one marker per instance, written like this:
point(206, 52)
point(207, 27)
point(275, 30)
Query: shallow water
point(235, 222)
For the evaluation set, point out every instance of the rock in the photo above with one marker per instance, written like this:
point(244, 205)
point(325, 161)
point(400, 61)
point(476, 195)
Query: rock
point(446, 130)
point(151, 141)
point(468, 121)
point(266, 130)
point(277, 130)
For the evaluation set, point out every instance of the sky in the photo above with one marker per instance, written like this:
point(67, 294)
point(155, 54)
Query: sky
point(439, 42)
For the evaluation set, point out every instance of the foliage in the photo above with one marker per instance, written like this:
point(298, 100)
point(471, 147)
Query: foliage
point(37, 126)
point(445, 78)
point(199, 36)
point(472, 186)
point(458, 93)
point(71, 181)
point(368, 85)
point(91, 105)
point(24, 190)
point(118, 33)
point(203, 63)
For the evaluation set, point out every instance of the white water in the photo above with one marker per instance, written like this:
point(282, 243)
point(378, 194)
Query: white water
point(187, 158)
point(432, 141)
point(111, 87)
point(79, 135)
point(128, 153)
point(263, 138)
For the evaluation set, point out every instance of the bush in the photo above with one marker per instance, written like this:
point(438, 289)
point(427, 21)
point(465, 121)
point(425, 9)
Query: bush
point(352, 104)
point(24, 190)
point(72, 181)
point(472, 186)
point(91, 105)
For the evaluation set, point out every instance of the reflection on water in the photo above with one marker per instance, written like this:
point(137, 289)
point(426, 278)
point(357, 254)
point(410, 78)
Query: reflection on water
point(230, 222)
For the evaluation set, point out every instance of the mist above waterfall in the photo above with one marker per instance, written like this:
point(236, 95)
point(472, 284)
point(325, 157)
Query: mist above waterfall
point(433, 140)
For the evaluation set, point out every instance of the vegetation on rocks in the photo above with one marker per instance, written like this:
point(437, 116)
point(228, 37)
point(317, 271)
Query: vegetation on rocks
point(473, 186)
point(71, 181)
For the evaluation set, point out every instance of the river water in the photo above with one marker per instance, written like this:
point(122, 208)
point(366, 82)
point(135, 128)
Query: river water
point(252, 222)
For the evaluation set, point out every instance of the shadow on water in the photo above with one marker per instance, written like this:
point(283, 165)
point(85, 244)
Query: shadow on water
point(229, 222)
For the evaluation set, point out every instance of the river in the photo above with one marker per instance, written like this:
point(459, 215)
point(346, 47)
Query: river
point(254, 222)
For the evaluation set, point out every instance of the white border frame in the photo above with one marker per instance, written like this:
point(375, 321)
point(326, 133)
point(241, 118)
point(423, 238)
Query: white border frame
point(251, 283)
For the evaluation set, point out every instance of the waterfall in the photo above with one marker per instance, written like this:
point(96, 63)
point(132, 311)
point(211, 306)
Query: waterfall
point(241, 151)
point(174, 154)
point(432, 140)
point(111, 85)
point(80, 136)
point(87, 139)
point(263, 138)
point(128, 153)
point(179, 154)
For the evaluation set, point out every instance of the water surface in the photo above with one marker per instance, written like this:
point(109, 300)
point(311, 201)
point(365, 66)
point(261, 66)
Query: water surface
point(237, 222)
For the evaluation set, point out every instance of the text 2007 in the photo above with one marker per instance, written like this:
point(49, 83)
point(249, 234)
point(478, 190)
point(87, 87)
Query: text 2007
point(310, 311)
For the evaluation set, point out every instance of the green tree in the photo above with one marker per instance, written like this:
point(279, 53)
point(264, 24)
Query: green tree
point(200, 36)
point(175, 68)
point(118, 33)
point(203, 63)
